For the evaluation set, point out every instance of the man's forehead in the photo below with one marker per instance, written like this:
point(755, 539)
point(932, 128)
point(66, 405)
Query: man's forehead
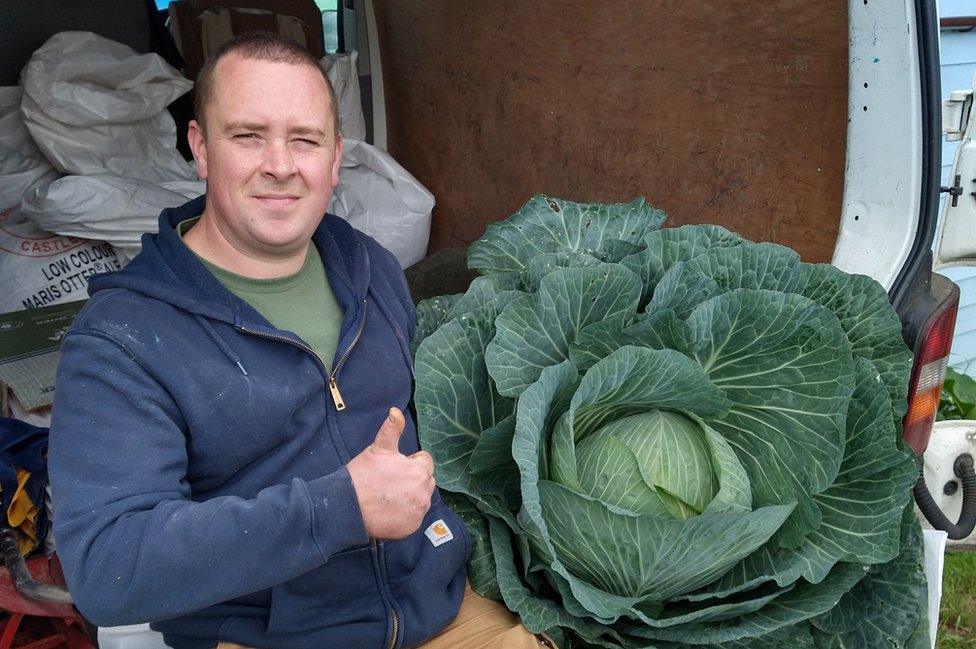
point(237, 66)
point(236, 76)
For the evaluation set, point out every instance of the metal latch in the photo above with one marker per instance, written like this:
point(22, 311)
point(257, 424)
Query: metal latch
point(955, 191)
point(955, 114)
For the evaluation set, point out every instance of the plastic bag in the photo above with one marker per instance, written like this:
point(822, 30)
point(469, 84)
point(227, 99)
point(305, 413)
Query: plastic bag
point(37, 268)
point(117, 210)
point(96, 107)
point(21, 163)
point(379, 197)
point(344, 75)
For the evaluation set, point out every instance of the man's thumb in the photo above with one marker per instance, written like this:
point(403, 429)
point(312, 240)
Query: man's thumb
point(388, 437)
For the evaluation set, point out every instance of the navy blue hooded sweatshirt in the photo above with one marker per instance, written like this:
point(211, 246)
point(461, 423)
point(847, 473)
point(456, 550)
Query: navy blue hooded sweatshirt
point(197, 459)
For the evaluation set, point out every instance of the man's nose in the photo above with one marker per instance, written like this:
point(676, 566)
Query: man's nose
point(278, 161)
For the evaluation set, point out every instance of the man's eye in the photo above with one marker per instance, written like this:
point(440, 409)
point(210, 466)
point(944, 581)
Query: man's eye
point(307, 142)
point(245, 136)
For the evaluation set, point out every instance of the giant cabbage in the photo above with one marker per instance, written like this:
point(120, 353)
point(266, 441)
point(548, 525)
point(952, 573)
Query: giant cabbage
point(674, 437)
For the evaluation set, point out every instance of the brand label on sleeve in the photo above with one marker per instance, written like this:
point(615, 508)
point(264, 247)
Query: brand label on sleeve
point(438, 533)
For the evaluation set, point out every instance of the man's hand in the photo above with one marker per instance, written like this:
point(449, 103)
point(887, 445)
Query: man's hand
point(393, 489)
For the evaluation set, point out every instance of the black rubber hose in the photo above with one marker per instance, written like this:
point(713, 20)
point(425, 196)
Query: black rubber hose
point(965, 470)
point(24, 582)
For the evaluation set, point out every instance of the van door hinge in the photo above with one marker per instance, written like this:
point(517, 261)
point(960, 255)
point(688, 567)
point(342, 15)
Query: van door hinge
point(955, 114)
point(955, 191)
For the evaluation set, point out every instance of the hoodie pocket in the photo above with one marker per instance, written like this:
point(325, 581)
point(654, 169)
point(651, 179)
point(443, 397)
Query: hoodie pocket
point(437, 549)
point(341, 596)
point(426, 572)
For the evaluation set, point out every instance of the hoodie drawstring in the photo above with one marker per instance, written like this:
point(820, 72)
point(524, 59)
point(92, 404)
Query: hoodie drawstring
point(224, 347)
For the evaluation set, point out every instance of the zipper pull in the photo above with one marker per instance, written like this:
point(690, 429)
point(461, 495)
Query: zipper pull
point(336, 395)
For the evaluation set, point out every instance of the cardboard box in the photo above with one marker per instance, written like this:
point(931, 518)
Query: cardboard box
point(30, 344)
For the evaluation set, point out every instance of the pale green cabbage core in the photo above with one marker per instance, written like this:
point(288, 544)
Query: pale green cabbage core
point(656, 462)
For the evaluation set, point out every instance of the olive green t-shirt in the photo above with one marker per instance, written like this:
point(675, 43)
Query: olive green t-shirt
point(302, 303)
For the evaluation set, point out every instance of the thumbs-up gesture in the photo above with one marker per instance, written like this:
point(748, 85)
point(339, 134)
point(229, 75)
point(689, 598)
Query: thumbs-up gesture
point(393, 489)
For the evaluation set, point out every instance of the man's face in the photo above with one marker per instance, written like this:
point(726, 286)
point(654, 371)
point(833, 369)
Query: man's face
point(269, 154)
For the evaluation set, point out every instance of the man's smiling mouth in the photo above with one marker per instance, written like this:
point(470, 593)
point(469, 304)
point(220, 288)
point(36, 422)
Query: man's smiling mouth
point(277, 199)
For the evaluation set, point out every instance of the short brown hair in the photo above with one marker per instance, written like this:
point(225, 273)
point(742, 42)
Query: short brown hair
point(262, 46)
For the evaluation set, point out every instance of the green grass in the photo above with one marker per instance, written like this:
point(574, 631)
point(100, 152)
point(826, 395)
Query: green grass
point(957, 620)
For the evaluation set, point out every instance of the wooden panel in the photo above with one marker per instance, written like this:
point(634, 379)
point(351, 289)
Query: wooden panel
point(727, 112)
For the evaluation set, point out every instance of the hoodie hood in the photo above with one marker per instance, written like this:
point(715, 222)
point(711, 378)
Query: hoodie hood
point(167, 270)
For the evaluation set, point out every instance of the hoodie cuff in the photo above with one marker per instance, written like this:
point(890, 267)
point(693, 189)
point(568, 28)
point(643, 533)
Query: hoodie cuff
point(337, 522)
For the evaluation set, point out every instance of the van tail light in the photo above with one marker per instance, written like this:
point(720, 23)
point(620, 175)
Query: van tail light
point(928, 373)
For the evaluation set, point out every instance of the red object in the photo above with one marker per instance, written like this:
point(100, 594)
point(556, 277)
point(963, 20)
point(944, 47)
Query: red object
point(31, 624)
point(928, 374)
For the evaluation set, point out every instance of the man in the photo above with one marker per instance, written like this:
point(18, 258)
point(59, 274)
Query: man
point(229, 455)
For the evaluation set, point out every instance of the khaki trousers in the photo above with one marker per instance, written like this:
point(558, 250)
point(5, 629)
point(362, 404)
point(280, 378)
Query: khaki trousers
point(480, 624)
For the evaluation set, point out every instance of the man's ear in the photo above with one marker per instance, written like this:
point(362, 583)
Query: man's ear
point(198, 145)
point(337, 162)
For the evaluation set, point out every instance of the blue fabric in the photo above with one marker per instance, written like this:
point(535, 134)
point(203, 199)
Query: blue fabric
point(23, 446)
point(197, 461)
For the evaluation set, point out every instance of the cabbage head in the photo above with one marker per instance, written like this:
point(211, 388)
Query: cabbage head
point(674, 437)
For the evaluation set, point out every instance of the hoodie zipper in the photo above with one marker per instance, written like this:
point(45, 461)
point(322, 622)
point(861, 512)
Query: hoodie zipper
point(394, 616)
point(337, 399)
point(396, 627)
point(340, 405)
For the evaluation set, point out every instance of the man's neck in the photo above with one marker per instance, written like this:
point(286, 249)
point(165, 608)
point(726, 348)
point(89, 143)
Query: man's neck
point(206, 240)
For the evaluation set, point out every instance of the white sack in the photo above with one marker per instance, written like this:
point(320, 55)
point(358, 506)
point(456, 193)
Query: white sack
point(344, 75)
point(96, 107)
point(379, 197)
point(39, 268)
point(21, 163)
point(117, 210)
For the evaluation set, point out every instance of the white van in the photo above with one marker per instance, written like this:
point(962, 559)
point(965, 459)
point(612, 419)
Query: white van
point(815, 125)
